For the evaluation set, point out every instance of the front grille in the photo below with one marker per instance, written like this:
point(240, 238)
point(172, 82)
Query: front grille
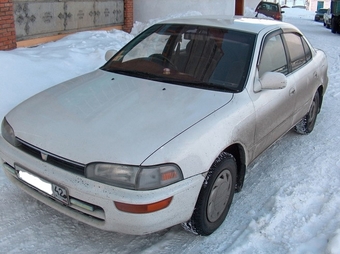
point(68, 165)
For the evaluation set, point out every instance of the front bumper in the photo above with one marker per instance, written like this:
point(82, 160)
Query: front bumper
point(93, 203)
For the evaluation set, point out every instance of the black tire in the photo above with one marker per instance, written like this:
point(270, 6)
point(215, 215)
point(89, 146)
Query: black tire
point(215, 197)
point(306, 125)
point(333, 25)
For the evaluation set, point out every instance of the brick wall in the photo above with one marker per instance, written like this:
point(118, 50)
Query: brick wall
point(128, 15)
point(7, 28)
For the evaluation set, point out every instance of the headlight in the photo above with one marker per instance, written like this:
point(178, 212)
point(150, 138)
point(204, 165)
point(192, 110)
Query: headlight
point(8, 133)
point(134, 177)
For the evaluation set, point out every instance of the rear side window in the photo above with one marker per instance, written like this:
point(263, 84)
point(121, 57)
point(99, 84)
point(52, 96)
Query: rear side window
point(308, 52)
point(273, 57)
point(299, 51)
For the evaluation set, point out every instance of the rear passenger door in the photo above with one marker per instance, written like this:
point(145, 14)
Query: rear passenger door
point(304, 72)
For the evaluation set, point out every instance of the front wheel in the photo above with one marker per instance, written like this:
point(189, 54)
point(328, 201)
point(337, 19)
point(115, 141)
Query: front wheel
point(215, 196)
point(306, 125)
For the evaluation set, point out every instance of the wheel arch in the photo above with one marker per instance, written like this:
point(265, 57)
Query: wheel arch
point(238, 152)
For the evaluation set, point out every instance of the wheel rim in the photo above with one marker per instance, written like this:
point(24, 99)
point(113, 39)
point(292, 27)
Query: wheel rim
point(219, 195)
point(313, 111)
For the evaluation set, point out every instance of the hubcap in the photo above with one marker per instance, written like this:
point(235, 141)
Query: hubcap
point(312, 112)
point(219, 195)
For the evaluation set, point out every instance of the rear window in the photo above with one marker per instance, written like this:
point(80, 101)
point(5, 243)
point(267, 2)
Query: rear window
point(322, 11)
point(268, 7)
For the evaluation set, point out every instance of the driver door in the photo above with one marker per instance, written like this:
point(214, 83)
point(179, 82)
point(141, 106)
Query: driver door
point(274, 108)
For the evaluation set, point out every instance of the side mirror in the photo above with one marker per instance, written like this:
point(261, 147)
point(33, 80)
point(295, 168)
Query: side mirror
point(270, 81)
point(110, 53)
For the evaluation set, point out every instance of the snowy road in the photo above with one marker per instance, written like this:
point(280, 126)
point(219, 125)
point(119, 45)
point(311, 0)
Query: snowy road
point(289, 204)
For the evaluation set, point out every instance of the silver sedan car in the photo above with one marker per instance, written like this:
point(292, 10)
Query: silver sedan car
point(162, 134)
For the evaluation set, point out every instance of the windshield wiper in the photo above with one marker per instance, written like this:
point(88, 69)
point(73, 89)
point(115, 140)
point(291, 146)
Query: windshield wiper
point(196, 84)
point(208, 85)
point(141, 74)
point(134, 73)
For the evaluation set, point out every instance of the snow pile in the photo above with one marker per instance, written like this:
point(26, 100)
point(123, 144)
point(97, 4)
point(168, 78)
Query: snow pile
point(298, 13)
point(26, 71)
point(288, 13)
point(334, 244)
point(250, 13)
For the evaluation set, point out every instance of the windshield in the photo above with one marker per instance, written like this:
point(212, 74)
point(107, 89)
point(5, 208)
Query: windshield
point(189, 55)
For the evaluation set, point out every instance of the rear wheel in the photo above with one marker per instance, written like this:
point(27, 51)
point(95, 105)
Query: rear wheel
point(306, 125)
point(335, 24)
point(215, 196)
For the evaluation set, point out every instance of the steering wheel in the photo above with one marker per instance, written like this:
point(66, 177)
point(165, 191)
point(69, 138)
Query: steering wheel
point(162, 59)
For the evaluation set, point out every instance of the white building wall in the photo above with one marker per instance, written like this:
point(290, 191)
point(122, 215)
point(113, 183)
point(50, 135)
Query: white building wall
point(253, 3)
point(144, 10)
point(314, 4)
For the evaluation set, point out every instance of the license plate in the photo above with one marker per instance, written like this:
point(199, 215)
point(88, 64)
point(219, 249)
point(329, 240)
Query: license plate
point(44, 186)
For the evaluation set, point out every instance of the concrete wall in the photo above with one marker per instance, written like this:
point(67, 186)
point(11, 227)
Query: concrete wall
point(34, 19)
point(19, 19)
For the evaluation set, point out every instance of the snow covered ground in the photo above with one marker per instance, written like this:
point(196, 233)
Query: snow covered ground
point(290, 201)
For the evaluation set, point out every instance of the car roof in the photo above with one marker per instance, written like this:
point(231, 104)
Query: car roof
point(251, 25)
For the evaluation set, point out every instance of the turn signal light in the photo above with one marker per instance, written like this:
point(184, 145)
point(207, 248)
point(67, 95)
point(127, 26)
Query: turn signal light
point(147, 208)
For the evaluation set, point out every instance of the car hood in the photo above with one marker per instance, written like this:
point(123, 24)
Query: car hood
point(108, 117)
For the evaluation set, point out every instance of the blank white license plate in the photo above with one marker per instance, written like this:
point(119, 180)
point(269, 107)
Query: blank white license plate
point(51, 189)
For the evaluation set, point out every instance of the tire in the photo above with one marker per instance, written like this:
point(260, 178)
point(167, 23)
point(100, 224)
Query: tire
point(333, 25)
point(306, 125)
point(215, 197)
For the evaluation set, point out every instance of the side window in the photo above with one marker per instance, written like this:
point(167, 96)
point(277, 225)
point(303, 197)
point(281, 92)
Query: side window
point(308, 52)
point(273, 57)
point(296, 50)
